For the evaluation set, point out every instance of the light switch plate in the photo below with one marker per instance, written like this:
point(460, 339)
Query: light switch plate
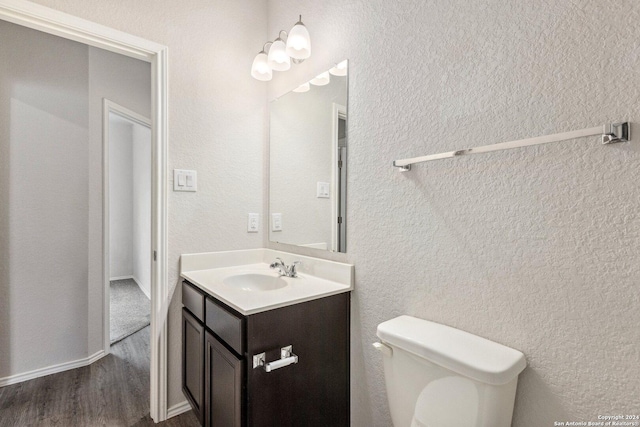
point(323, 190)
point(276, 222)
point(253, 225)
point(185, 180)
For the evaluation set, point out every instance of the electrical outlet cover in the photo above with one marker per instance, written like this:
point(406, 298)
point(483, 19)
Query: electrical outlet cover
point(253, 224)
point(323, 190)
point(276, 222)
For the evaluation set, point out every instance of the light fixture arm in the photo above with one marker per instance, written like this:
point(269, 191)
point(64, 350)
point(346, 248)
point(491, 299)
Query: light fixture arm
point(286, 36)
point(264, 48)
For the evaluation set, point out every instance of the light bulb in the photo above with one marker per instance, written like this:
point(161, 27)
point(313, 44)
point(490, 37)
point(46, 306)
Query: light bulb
point(299, 42)
point(339, 70)
point(260, 69)
point(278, 59)
point(321, 79)
point(302, 88)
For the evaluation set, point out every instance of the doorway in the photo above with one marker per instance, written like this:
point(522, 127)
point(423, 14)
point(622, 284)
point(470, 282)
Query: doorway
point(41, 18)
point(127, 137)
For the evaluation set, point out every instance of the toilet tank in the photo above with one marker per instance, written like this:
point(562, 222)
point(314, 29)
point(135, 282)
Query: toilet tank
point(439, 376)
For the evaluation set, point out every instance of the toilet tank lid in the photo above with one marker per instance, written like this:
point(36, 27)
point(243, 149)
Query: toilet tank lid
point(459, 351)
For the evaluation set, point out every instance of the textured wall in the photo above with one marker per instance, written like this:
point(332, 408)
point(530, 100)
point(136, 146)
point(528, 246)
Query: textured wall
point(301, 141)
point(534, 248)
point(216, 123)
point(44, 213)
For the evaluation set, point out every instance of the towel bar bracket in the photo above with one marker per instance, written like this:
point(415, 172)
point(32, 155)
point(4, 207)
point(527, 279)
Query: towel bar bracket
point(616, 132)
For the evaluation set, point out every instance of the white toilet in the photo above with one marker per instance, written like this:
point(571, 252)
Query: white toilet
point(438, 376)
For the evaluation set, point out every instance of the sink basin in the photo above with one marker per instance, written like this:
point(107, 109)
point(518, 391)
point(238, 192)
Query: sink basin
point(255, 282)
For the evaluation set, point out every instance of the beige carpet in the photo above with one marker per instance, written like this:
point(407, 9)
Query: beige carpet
point(130, 309)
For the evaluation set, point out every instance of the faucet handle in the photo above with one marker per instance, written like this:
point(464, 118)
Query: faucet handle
point(294, 271)
point(276, 263)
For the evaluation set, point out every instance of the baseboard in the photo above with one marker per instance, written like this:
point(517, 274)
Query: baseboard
point(120, 278)
point(144, 291)
point(178, 408)
point(49, 370)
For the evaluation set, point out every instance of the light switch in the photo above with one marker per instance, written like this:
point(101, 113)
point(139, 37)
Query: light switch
point(185, 180)
point(323, 190)
point(253, 226)
point(276, 222)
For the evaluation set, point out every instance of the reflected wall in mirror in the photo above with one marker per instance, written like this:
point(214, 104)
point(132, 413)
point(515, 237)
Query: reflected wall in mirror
point(308, 163)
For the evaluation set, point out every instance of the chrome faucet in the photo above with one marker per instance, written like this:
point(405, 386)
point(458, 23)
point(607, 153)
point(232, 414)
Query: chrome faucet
point(283, 269)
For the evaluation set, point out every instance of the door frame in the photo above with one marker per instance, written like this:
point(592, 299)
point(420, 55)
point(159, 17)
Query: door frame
point(109, 107)
point(51, 21)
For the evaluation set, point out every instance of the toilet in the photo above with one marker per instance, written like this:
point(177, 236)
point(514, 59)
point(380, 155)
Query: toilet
point(439, 376)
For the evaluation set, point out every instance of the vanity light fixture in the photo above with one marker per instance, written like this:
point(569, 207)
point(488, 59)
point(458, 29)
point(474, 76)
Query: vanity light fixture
point(321, 79)
point(299, 42)
point(260, 69)
point(294, 46)
point(304, 87)
point(278, 59)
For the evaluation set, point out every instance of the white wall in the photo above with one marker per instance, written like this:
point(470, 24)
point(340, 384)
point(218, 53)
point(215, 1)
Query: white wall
point(43, 199)
point(534, 248)
point(217, 126)
point(141, 144)
point(301, 144)
point(121, 228)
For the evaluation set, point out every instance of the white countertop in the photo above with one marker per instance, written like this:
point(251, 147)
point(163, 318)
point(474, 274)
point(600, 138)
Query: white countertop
point(317, 278)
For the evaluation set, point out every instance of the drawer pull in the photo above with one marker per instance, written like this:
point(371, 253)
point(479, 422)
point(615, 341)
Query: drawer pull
point(286, 358)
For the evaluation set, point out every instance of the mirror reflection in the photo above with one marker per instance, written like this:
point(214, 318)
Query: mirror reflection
point(308, 163)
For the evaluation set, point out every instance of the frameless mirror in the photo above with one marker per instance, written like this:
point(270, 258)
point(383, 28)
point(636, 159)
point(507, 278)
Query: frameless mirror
point(308, 163)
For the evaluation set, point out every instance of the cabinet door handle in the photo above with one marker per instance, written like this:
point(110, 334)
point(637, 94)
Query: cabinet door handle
point(286, 358)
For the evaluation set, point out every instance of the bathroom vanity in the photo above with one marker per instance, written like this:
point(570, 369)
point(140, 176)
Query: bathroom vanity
point(263, 350)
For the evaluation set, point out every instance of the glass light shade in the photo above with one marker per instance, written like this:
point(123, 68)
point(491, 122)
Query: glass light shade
point(278, 59)
point(321, 79)
point(340, 70)
point(260, 69)
point(302, 88)
point(299, 42)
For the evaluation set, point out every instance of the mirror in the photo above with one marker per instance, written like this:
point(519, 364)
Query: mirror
point(308, 163)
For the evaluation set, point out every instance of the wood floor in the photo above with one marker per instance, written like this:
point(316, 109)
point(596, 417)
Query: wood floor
point(113, 391)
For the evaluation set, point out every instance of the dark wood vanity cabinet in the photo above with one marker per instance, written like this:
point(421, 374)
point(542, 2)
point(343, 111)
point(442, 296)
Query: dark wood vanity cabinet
point(193, 342)
point(223, 385)
point(312, 392)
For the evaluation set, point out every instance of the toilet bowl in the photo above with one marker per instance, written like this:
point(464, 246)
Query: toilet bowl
point(438, 376)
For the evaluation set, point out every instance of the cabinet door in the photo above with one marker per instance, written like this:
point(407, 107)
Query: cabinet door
point(313, 392)
point(223, 385)
point(193, 362)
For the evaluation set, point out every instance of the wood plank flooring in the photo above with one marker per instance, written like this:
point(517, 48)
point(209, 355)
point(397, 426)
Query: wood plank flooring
point(113, 391)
